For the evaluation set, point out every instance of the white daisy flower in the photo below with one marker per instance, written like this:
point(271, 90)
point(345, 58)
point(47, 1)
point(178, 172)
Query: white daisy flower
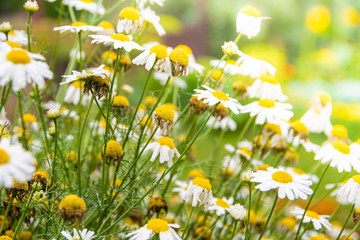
point(225, 123)
point(77, 27)
point(118, 40)
point(335, 187)
point(317, 220)
point(248, 21)
point(199, 192)
point(254, 67)
point(317, 118)
point(231, 165)
point(152, 2)
point(213, 97)
point(238, 212)
point(229, 67)
point(18, 36)
point(355, 148)
point(289, 185)
point(151, 17)
point(244, 148)
point(130, 21)
point(268, 110)
point(85, 74)
point(221, 205)
point(192, 65)
point(351, 190)
point(164, 147)
point(87, 5)
point(181, 187)
point(298, 171)
point(155, 226)
point(152, 53)
point(267, 86)
point(22, 67)
point(15, 163)
point(73, 94)
point(339, 155)
point(78, 234)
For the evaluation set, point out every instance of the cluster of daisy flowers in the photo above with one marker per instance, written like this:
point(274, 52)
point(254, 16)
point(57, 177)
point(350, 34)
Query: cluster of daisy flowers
point(101, 157)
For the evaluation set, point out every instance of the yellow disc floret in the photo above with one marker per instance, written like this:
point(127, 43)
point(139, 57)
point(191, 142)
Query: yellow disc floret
point(267, 103)
point(3, 237)
point(324, 97)
point(217, 74)
point(106, 25)
point(273, 127)
point(13, 44)
point(18, 56)
point(339, 131)
point(72, 205)
point(289, 222)
point(157, 225)
point(179, 56)
point(250, 10)
point(120, 101)
point(87, 1)
point(312, 214)
point(130, 13)
point(166, 141)
point(282, 177)
point(78, 24)
point(194, 173)
point(120, 37)
point(29, 118)
point(160, 51)
point(299, 127)
point(318, 19)
point(222, 203)
point(220, 96)
point(202, 182)
point(165, 112)
point(187, 49)
point(4, 157)
point(269, 79)
point(114, 150)
point(341, 146)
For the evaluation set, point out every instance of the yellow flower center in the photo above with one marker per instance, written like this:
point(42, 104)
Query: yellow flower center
point(157, 225)
point(231, 61)
point(78, 24)
point(196, 173)
point(299, 171)
point(129, 13)
point(165, 112)
point(29, 118)
point(73, 205)
point(273, 127)
point(220, 96)
point(299, 127)
point(120, 37)
point(312, 214)
point(185, 48)
point(339, 131)
point(341, 146)
point(250, 10)
point(351, 16)
point(114, 149)
point(246, 151)
point(13, 44)
point(318, 19)
point(166, 141)
point(202, 182)
point(356, 178)
point(18, 56)
point(269, 79)
point(324, 97)
point(263, 167)
point(282, 177)
point(160, 51)
point(288, 222)
point(12, 33)
point(320, 237)
point(120, 101)
point(4, 157)
point(179, 56)
point(267, 103)
point(106, 25)
point(87, 1)
point(78, 84)
point(222, 203)
point(217, 74)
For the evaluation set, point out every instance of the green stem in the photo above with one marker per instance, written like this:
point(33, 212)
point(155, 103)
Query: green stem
point(80, 50)
point(53, 174)
point(187, 222)
point(268, 219)
point(248, 227)
point(353, 230)
point(19, 95)
point(41, 114)
point(347, 219)
point(28, 30)
point(234, 230)
point(7, 212)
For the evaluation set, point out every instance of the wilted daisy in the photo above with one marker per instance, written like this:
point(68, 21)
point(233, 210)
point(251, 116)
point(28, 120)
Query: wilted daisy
point(87, 5)
point(119, 40)
point(18, 36)
point(22, 67)
point(317, 220)
point(154, 52)
point(289, 185)
point(268, 110)
point(151, 17)
point(350, 190)
point(248, 21)
point(254, 66)
point(199, 192)
point(339, 155)
point(179, 60)
point(298, 134)
point(130, 21)
point(267, 86)
point(192, 65)
point(164, 147)
point(73, 93)
point(15, 163)
point(212, 97)
point(338, 132)
point(164, 118)
point(221, 205)
point(317, 118)
point(78, 27)
point(79, 234)
point(153, 227)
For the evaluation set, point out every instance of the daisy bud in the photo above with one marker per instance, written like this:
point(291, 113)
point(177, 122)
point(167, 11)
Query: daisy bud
point(230, 48)
point(197, 106)
point(5, 27)
point(246, 176)
point(52, 131)
point(53, 113)
point(31, 6)
point(238, 212)
point(114, 151)
point(72, 206)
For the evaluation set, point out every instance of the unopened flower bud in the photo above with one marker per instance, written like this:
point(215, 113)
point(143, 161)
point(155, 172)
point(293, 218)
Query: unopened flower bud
point(246, 176)
point(53, 113)
point(5, 27)
point(238, 212)
point(230, 48)
point(31, 6)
